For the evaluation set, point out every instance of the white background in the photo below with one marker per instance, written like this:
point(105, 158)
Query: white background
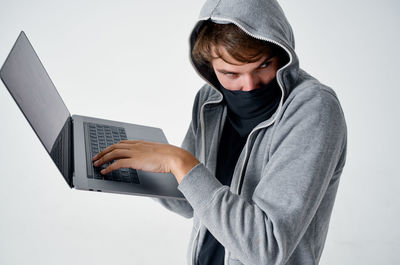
point(128, 61)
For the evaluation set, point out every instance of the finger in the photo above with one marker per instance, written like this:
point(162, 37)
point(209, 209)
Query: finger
point(113, 155)
point(109, 149)
point(121, 163)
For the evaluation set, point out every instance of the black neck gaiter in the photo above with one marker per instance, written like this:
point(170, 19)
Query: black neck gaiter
point(246, 109)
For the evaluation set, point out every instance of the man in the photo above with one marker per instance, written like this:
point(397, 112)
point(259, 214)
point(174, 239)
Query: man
point(260, 164)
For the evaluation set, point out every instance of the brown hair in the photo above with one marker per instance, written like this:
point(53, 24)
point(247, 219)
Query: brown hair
point(241, 46)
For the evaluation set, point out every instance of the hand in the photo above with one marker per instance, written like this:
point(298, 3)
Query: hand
point(147, 156)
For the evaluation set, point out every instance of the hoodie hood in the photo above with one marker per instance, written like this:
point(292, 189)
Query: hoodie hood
point(261, 19)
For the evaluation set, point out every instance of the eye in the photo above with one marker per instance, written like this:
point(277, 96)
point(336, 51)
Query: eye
point(264, 65)
point(230, 75)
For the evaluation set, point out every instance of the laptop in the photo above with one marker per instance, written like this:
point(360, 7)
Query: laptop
point(72, 141)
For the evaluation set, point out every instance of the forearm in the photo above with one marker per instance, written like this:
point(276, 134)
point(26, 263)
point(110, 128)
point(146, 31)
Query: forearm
point(253, 231)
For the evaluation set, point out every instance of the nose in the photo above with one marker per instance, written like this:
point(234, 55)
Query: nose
point(250, 82)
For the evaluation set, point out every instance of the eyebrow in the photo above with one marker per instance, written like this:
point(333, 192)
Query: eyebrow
point(263, 62)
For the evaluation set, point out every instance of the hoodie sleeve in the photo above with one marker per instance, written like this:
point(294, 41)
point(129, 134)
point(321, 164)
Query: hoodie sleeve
point(305, 157)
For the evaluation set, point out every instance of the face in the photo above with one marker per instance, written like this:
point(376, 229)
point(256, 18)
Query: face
point(237, 75)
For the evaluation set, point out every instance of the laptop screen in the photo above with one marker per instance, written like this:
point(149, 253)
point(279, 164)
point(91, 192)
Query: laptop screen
point(32, 89)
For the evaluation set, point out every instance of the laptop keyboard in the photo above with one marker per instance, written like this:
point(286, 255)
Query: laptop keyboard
point(100, 136)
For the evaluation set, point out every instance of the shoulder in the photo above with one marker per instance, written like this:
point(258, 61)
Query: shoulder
point(312, 109)
point(311, 97)
point(207, 94)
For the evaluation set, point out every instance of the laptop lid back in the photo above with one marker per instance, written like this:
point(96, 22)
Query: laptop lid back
point(32, 89)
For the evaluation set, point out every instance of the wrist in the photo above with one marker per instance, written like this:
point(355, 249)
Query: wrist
point(182, 163)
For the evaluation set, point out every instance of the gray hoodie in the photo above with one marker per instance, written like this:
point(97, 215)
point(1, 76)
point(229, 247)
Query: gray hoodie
point(278, 207)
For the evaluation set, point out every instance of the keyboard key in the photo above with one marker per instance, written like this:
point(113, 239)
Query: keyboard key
point(101, 136)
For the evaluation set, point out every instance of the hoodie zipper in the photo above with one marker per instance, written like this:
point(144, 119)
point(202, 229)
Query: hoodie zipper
point(252, 132)
point(203, 158)
point(279, 83)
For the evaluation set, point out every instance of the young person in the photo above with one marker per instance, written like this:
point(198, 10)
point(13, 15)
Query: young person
point(261, 162)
